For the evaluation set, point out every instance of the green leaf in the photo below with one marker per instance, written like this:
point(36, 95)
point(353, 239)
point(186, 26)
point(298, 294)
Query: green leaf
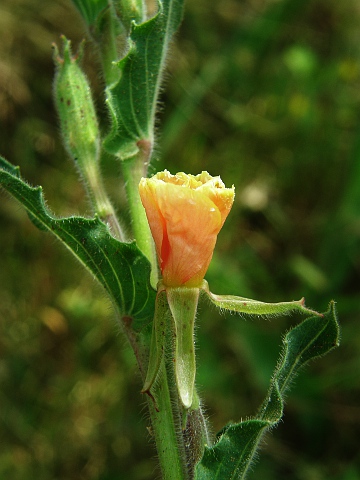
point(233, 454)
point(249, 306)
point(133, 99)
point(90, 9)
point(121, 268)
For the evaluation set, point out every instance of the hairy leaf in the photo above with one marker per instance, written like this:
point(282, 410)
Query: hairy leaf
point(255, 307)
point(232, 455)
point(133, 99)
point(120, 267)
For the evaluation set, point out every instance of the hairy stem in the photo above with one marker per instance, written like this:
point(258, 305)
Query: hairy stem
point(166, 426)
point(133, 170)
point(180, 433)
point(101, 201)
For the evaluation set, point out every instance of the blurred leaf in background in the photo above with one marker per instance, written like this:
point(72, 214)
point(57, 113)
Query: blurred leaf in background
point(265, 93)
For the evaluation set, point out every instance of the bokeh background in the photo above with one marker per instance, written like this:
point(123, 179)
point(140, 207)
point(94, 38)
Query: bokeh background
point(265, 93)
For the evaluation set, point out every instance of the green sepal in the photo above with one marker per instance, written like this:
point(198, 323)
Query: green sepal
point(178, 306)
point(120, 267)
point(232, 456)
point(133, 99)
point(157, 345)
point(255, 307)
point(183, 303)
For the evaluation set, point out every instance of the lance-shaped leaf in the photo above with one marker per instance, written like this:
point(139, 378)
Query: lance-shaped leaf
point(233, 454)
point(120, 267)
point(133, 99)
point(249, 306)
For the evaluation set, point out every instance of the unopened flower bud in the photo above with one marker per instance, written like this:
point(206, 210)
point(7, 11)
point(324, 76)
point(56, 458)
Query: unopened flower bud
point(80, 130)
point(185, 214)
point(75, 107)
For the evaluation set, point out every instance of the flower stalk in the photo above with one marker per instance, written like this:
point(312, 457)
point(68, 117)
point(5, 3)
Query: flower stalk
point(178, 423)
point(80, 130)
point(166, 427)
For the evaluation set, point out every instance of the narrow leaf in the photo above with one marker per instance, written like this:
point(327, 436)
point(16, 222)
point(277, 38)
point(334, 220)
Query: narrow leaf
point(249, 306)
point(133, 99)
point(233, 454)
point(120, 267)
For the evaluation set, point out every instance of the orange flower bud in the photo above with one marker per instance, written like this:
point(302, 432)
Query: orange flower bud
point(185, 214)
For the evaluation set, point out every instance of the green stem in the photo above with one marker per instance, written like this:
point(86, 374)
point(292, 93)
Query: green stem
point(196, 436)
point(100, 199)
point(164, 406)
point(180, 433)
point(166, 427)
point(179, 448)
point(133, 170)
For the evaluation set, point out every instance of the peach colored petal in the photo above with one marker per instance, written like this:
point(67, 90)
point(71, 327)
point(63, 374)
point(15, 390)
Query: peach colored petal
point(185, 214)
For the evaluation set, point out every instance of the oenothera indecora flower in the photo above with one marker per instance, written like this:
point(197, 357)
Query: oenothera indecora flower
point(185, 214)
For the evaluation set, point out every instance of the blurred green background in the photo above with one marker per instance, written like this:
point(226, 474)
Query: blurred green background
point(265, 93)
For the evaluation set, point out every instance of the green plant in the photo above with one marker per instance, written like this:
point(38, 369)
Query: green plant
point(133, 46)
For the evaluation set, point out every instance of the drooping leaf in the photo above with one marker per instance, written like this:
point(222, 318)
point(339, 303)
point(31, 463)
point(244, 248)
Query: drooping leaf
point(121, 268)
point(249, 306)
point(233, 454)
point(133, 99)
